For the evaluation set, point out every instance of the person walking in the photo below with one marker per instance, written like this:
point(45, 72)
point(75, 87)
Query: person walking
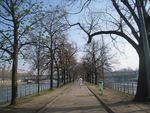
point(80, 82)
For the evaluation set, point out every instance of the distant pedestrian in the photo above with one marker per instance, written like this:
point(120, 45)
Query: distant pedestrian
point(80, 81)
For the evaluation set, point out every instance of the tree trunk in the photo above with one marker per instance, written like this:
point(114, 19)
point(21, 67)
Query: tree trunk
point(95, 71)
point(142, 86)
point(92, 77)
point(58, 77)
point(15, 61)
point(73, 77)
point(14, 72)
point(51, 76)
point(67, 73)
point(142, 93)
point(64, 75)
point(70, 78)
point(14, 79)
point(52, 63)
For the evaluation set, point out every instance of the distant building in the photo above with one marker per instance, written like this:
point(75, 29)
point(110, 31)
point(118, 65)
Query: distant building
point(121, 76)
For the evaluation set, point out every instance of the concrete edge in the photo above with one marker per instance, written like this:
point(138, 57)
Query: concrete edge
point(44, 107)
point(107, 108)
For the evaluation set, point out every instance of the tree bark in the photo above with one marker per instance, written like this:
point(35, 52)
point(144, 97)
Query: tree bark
point(14, 67)
point(96, 80)
point(51, 76)
point(63, 71)
point(70, 78)
point(15, 58)
point(14, 75)
point(64, 75)
point(142, 90)
point(52, 62)
point(58, 77)
point(142, 86)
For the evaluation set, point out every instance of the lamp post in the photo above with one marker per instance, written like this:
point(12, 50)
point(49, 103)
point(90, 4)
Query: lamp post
point(145, 42)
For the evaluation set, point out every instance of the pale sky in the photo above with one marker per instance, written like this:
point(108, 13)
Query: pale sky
point(127, 60)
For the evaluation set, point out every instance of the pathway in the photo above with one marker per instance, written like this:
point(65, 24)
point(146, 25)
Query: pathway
point(74, 100)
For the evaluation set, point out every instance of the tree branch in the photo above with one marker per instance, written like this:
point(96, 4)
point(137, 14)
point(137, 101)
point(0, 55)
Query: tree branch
point(6, 50)
point(26, 43)
point(5, 23)
point(86, 3)
point(80, 27)
point(25, 30)
point(126, 3)
point(7, 38)
point(5, 18)
point(115, 33)
point(125, 19)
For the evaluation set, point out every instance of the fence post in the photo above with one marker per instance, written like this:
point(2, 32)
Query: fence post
point(25, 90)
point(128, 88)
point(7, 94)
point(133, 88)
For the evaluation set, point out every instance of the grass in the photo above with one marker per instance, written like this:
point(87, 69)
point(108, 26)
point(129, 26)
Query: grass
point(30, 97)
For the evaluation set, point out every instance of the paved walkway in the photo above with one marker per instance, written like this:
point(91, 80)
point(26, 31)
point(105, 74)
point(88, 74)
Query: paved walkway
point(75, 100)
point(68, 99)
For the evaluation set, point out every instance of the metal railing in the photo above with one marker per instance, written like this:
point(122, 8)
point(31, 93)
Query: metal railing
point(23, 90)
point(128, 87)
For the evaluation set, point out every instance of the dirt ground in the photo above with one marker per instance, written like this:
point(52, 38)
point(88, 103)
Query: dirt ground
point(120, 102)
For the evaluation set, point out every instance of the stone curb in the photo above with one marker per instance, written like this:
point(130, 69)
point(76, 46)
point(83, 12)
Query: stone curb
point(98, 98)
point(43, 108)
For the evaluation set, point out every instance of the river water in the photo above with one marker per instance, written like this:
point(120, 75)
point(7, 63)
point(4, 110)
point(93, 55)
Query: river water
point(24, 89)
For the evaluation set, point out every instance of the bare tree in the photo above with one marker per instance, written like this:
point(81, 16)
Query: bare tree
point(97, 59)
point(35, 55)
point(125, 24)
point(67, 59)
point(55, 44)
point(52, 25)
point(14, 16)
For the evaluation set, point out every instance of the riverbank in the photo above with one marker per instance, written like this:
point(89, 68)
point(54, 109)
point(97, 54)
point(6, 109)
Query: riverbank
point(120, 102)
point(33, 103)
point(115, 101)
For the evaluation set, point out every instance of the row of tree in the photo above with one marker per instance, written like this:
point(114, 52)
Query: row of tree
point(54, 52)
point(28, 31)
point(96, 61)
